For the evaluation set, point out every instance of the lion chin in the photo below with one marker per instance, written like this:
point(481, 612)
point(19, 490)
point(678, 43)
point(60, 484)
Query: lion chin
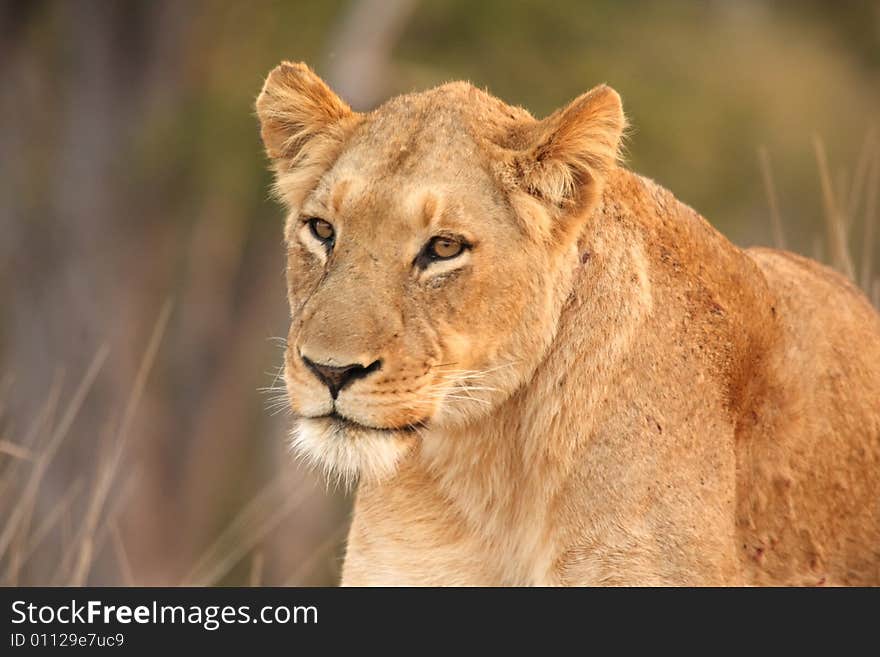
point(347, 451)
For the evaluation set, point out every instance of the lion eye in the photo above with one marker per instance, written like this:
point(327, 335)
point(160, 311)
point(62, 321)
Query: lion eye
point(444, 248)
point(322, 230)
point(441, 247)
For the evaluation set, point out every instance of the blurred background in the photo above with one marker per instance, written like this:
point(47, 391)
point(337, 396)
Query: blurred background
point(141, 259)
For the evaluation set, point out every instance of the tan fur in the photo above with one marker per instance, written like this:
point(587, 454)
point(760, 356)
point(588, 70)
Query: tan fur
point(602, 390)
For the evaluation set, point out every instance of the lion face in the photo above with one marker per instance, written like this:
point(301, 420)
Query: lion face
point(430, 246)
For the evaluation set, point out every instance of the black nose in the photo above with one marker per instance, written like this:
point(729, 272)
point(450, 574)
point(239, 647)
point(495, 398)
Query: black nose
point(336, 378)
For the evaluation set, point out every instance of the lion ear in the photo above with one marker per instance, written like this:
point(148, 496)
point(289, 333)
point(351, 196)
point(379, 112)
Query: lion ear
point(567, 156)
point(294, 107)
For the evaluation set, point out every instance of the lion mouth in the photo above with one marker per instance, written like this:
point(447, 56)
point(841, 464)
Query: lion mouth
point(347, 422)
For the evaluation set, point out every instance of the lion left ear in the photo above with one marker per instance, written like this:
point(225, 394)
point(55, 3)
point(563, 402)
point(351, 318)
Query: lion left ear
point(294, 107)
point(566, 157)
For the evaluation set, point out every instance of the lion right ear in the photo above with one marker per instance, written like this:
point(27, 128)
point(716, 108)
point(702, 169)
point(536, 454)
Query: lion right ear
point(295, 107)
point(563, 160)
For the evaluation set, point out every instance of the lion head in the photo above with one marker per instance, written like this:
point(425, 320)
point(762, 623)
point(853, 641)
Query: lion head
point(430, 249)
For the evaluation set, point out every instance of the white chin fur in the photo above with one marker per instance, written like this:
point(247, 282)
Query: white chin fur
point(347, 453)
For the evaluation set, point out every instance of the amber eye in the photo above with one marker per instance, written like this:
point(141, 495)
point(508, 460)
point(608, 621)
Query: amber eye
point(322, 230)
point(444, 248)
point(441, 248)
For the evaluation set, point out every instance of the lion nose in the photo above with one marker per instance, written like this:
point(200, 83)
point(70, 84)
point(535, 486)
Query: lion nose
point(338, 377)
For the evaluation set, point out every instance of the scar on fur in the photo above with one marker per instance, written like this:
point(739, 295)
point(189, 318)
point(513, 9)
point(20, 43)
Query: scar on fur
point(338, 195)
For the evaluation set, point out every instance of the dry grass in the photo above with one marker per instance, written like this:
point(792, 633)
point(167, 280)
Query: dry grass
point(80, 528)
point(76, 527)
point(849, 213)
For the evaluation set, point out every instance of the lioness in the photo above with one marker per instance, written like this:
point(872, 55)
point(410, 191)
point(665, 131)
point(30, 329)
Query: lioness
point(543, 369)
